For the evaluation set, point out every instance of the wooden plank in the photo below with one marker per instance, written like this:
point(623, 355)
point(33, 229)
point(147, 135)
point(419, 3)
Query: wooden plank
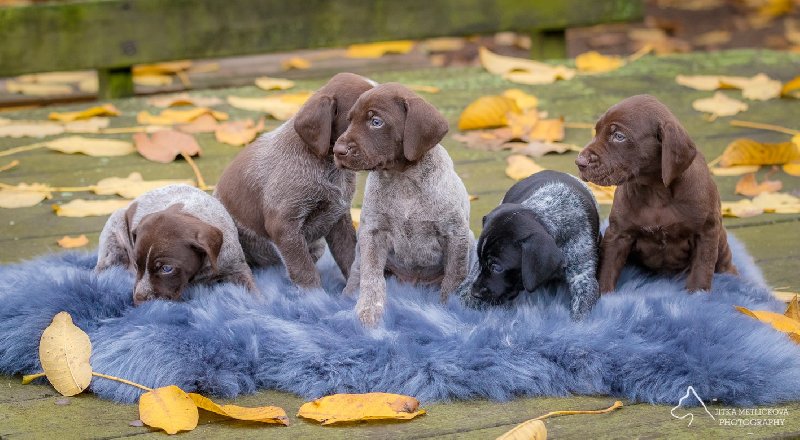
point(113, 33)
point(114, 83)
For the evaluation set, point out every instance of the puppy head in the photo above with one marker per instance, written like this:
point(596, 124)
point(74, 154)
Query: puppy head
point(638, 138)
point(515, 252)
point(323, 118)
point(390, 127)
point(170, 248)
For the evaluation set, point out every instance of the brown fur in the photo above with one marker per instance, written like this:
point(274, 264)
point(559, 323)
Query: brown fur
point(666, 212)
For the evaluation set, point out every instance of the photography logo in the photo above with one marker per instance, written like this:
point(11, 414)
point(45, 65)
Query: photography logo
point(690, 391)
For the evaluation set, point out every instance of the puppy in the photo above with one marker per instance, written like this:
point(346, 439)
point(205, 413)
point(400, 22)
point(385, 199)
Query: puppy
point(285, 193)
point(546, 228)
point(172, 237)
point(666, 211)
point(415, 215)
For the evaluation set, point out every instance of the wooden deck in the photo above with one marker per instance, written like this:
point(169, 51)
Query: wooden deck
point(31, 412)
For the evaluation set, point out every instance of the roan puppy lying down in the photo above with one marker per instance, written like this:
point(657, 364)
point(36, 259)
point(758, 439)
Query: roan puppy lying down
point(545, 229)
point(666, 212)
point(415, 214)
point(172, 237)
point(287, 196)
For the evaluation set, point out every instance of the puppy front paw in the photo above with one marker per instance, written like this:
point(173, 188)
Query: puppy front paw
point(370, 315)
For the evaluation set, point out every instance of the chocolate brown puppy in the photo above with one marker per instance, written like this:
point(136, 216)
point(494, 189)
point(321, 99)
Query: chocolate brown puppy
point(415, 215)
point(666, 212)
point(285, 193)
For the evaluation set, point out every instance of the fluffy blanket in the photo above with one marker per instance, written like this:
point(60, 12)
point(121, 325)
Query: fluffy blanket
point(647, 342)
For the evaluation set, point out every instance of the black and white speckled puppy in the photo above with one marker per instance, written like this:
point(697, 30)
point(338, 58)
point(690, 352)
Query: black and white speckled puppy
point(545, 229)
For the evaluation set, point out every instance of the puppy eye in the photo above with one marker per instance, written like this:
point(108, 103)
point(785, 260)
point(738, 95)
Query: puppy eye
point(166, 269)
point(376, 122)
point(496, 268)
point(618, 136)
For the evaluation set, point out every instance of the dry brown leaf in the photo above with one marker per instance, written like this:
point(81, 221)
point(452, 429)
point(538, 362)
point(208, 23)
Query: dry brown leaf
point(748, 186)
point(172, 116)
point(168, 408)
point(268, 83)
point(344, 408)
point(264, 414)
point(281, 106)
point(64, 351)
point(487, 112)
point(793, 309)
point(750, 152)
point(523, 71)
point(488, 140)
point(297, 63)
point(595, 62)
point(238, 133)
point(736, 170)
point(90, 208)
point(520, 167)
point(36, 89)
point(132, 186)
point(719, 105)
point(100, 110)
point(23, 195)
point(379, 49)
point(90, 146)
point(204, 124)
point(184, 99)
point(164, 146)
point(68, 242)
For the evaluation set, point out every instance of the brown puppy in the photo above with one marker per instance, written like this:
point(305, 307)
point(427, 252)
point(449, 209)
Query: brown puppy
point(286, 194)
point(666, 211)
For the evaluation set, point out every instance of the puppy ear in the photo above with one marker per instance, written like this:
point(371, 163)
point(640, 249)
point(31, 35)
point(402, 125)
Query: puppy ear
point(541, 260)
point(677, 150)
point(129, 213)
point(208, 241)
point(424, 128)
point(314, 123)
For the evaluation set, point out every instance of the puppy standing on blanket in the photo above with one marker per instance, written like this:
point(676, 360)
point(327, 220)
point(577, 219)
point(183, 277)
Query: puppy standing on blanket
point(172, 237)
point(415, 215)
point(666, 211)
point(546, 228)
point(285, 193)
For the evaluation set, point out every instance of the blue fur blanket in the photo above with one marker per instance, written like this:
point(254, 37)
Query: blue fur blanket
point(647, 342)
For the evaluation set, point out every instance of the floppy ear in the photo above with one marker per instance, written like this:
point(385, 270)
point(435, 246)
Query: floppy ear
point(677, 151)
point(314, 123)
point(208, 240)
point(128, 222)
point(424, 128)
point(540, 262)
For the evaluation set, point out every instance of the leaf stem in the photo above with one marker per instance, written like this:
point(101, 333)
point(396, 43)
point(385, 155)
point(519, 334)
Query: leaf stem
point(127, 382)
point(761, 126)
point(9, 165)
point(28, 378)
point(201, 183)
point(21, 149)
point(616, 405)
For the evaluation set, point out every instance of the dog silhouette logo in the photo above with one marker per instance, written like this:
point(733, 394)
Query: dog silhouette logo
point(690, 391)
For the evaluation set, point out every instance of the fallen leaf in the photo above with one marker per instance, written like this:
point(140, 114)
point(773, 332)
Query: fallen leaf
point(238, 133)
point(595, 62)
point(89, 85)
point(64, 352)
point(68, 242)
point(268, 83)
point(760, 87)
point(793, 169)
point(719, 105)
point(132, 186)
point(56, 77)
point(423, 88)
point(152, 80)
point(778, 203)
point(36, 89)
point(355, 215)
point(295, 63)
point(524, 101)
point(90, 208)
point(791, 88)
point(530, 430)
point(204, 124)
point(523, 71)
point(520, 167)
point(164, 146)
point(547, 130)
point(379, 49)
point(736, 170)
point(712, 38)
point(487, 112)
point(280, 107)
point(487, 140)
point(91, 125)
point(741, 209)
point(23, 195)
point(536, 148)
point(184, 99)
point(168, 408)
point(750, 152)
point(100, 110)
point(603, 194)
point(90, 146)
point(699, 82)
point(748, 186)
point(172, 116)
point(779, 322)
point(793, 309)
point(264, 414)
point(443, 44)
point(9, 165)
point(168, 67)
point(19, 128)
point(343, 408)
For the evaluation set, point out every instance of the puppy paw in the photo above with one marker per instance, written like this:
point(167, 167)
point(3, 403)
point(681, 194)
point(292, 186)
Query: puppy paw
point(370, 315)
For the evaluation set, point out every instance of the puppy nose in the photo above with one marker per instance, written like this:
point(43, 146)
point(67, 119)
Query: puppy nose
point(479, 292)
point(582, 161)
point(341, 148)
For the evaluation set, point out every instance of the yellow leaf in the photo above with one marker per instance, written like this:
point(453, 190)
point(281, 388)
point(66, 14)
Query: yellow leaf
point(295, 63)
point(524, 101)
point(23, 195)
point(736, 170)
point(520, 167)
point(132, 186)
point(238, 133)
point(379, 49)
point(530, 430)
point(35, 89)
point(28, 378)
point(268, 83)
point(90, 208)
point(184, 99)
point(594, 62)
point(548, 130)
point(100, 110)
point(748, 186)
point(779, 322)
point(779, 203)
point(712, 38)
point(793, 310)
point(719, 105)
point(152, 80)
point(742, 209)
point(64, 352)
point(523, 71)
point(760, 87)
point(749, 152)
point(280, 107)
point(91, 125)
point(792, 168)
point(487, 112)
point(343, 408)
point(172, 116)
point(91, 146)
point(264, 414)
point(699, 82)
point(423, 88)
point(791, 88)
point(355, 214)
point(68, 242)
point(171, 67)
point(168, 408)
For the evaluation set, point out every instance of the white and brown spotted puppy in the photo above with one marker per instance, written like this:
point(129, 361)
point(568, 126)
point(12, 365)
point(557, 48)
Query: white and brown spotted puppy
point(415, 215)
point(285, 193)
point(173, 237)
